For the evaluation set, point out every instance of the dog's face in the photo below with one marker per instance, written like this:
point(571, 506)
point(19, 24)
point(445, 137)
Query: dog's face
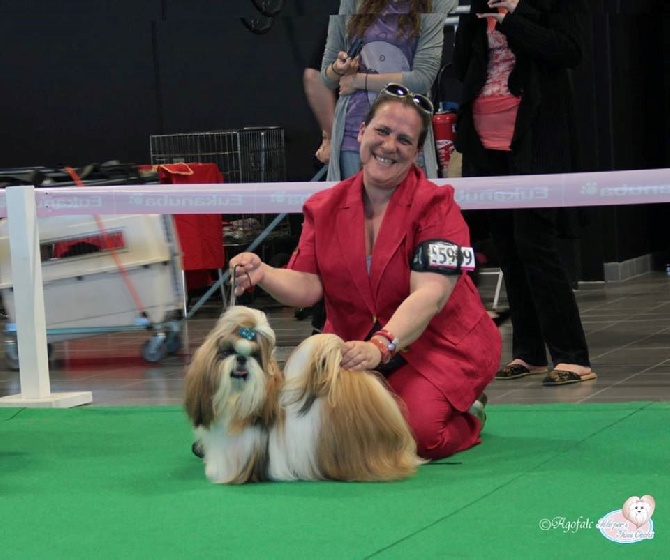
point(639, 510)
point(230, 372)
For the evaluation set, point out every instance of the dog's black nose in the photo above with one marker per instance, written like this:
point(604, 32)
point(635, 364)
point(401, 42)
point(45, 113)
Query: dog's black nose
point(241, 360)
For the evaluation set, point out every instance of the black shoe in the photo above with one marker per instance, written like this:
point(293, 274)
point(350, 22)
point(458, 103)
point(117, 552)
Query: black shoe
point(198, 450)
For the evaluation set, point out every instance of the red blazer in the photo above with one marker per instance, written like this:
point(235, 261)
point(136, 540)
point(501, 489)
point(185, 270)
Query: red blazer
point(459, 351)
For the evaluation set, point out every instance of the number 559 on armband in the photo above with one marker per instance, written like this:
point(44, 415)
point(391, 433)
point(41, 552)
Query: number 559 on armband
point(443, 256)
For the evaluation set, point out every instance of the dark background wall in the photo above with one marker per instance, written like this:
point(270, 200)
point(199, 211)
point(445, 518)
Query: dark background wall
point(629, 62)
point(91, 81)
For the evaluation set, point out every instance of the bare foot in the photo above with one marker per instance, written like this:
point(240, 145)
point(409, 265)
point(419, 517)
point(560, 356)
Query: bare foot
point(531, 368)
point(579, 370)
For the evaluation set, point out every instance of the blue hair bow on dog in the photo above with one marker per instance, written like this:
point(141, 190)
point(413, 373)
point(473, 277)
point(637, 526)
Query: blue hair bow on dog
point(246, 332)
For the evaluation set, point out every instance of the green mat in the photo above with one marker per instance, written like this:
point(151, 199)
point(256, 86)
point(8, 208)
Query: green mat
point(122, 483)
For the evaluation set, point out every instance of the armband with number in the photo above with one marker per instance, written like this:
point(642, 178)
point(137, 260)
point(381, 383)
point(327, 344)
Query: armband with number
point(442, 256)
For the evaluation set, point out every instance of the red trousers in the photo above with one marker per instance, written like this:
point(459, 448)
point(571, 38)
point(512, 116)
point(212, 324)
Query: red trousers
point(439, 429)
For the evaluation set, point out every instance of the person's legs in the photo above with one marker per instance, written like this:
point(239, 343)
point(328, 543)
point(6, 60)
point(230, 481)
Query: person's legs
point(528, 346)
point(528, 349)
point(439, 429)
point(550, 289)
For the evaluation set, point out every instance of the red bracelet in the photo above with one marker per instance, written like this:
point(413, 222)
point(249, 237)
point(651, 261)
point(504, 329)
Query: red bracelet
point(383, 348)
point(393, 341)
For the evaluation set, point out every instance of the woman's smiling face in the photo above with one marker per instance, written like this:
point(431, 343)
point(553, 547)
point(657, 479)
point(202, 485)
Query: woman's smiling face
point(389, 144)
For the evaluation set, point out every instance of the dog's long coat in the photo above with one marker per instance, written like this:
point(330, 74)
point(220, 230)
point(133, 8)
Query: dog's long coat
point(315, 422)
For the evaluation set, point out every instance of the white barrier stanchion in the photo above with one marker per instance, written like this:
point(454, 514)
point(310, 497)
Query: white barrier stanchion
point(29, 304)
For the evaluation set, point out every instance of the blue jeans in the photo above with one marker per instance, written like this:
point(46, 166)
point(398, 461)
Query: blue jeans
point(350, 163)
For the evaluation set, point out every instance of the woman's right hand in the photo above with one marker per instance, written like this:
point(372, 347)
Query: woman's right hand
point(246, 270)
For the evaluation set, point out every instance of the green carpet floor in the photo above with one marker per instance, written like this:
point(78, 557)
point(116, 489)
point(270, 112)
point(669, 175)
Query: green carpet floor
point(122, 483)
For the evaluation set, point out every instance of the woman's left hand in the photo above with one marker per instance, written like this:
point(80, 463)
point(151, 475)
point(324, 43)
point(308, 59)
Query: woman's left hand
point(360, 356)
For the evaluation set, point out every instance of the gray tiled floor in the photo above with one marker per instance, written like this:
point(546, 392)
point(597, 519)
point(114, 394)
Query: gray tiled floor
point(627, 326)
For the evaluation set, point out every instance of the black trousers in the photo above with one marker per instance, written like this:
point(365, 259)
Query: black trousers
point(543, 308)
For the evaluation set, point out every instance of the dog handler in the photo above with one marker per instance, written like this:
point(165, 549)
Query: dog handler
point(388, 251)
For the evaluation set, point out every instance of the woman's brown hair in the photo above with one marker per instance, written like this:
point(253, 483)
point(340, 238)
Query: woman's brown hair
point(409, 23)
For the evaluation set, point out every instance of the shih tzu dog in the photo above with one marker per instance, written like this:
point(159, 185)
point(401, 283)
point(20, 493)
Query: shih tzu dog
point(316, 421)
point(337, 424)
point(231, 397)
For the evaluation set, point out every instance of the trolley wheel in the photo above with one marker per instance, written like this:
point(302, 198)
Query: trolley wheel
point(173, 342)
point(12, 354)
point(154, 349)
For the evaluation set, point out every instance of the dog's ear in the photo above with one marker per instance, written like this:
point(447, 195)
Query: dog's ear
point(272, 409)
point(200, 389)
point(268, 357)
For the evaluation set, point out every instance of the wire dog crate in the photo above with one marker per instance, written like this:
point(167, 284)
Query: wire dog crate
point(246, 155)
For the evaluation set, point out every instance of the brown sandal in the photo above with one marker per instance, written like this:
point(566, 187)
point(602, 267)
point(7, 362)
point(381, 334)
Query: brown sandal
point(515, 371)
point(565, 377)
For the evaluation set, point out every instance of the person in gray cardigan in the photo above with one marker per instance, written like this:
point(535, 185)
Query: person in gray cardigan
point(411, 60)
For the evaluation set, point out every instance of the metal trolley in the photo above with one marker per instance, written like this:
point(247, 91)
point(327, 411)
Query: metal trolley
point(104, 274)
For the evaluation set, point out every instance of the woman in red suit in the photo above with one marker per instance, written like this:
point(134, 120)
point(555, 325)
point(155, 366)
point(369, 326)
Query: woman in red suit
point(366, 247)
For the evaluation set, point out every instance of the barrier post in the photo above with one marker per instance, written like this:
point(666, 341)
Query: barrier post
point(24, 246)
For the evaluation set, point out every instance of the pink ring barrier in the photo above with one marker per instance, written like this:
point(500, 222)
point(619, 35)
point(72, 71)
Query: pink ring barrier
point(528, 191)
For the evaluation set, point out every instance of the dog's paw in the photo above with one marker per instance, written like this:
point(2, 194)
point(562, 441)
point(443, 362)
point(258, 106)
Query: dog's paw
point(217, 472)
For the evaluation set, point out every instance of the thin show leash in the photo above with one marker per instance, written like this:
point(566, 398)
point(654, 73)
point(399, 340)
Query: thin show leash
point(233, 297)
